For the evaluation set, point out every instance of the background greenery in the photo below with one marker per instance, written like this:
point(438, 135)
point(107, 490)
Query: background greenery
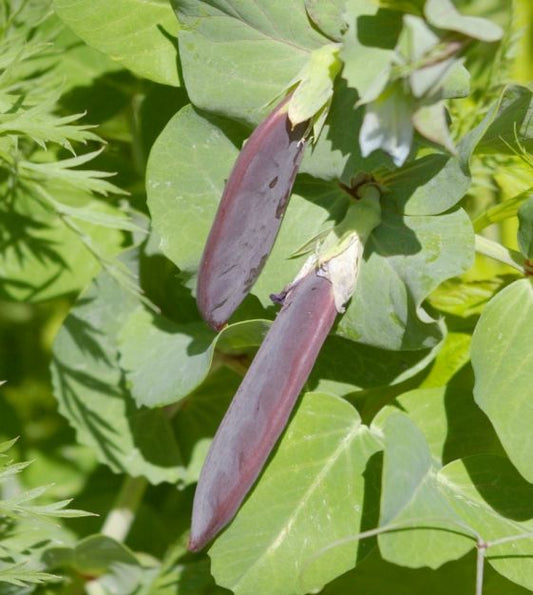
point(417, 417)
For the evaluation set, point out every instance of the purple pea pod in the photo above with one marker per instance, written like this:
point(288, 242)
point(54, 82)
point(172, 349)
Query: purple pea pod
point(262, 405)
point(249, 215)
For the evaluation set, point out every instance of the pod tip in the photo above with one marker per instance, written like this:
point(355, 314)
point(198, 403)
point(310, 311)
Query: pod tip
point(194, 545)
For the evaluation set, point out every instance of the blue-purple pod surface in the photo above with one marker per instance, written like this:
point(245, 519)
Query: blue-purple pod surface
point(249, 215)
point(262, 405)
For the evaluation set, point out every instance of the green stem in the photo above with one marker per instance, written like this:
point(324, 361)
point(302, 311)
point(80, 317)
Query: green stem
point(119, 520)
point(480, 567)
point(500, 253)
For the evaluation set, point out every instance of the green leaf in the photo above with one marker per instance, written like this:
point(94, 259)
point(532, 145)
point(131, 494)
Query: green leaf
point(511, 129)
point(80, 65)
point(20, 575)
point(164, 362)
point(6, 444)
point(98, 553)
point(456, 81)
point(139, 35)
point(428, 185)
point(368, 47)
point(406, 258)
point(38, 123)
point(525, 228)
point(491, 496)
point(111, 564)
point(327, 16)
point(411, 500)
point(507, 128)
point(238, 56)
point(442, 14)
point(464, 297)
point(430, 121)
point(315, 87)
point(416, 43)
point(95, 214)
point(317, 466)
point(503, 365)
point(62, 171)
point(450, 360)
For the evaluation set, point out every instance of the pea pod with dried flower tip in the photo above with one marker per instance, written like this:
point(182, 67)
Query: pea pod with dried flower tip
point(249, 215)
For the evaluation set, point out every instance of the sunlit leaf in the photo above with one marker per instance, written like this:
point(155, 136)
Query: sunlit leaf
point(503, 366)
point(429, 530)
point(443, 15)
point(139, 35)
point(227, 47)
point(328, 16)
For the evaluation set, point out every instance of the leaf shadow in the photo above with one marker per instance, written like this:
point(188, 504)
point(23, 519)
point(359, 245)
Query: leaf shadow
point(145, 424)
point(393, 236)
point(23, 243)
point(85, 335)
point(165, 285)
point(363, 366)
point(175, 44)
point(370, 29)
point(502, 487)
point(472, 438)
point(106, 96)
point(469, 430)
point(199, 334)
point(20, 232)
point(101, 429)
point(33, 292)
point(371, 504)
